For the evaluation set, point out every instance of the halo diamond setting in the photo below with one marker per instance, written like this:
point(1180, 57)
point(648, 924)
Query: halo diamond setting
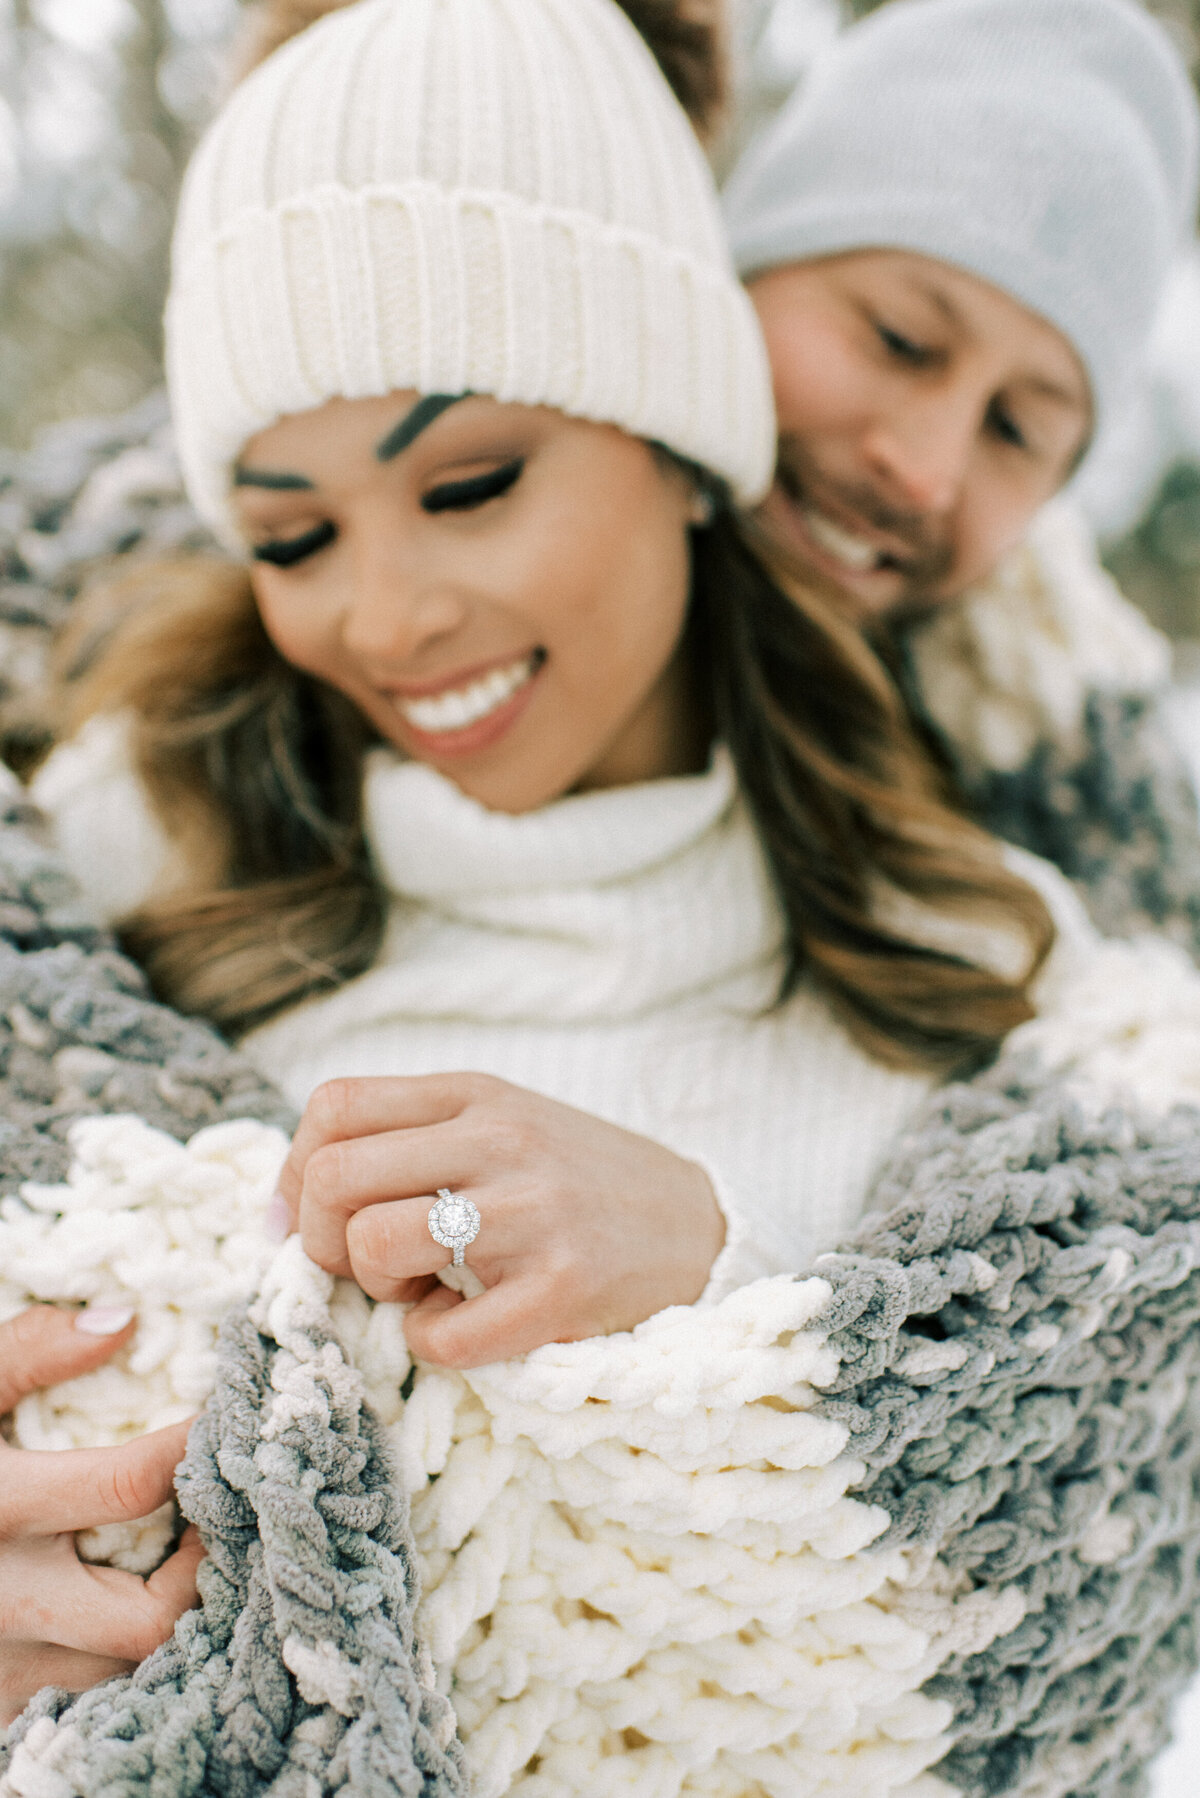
point(454, 1222)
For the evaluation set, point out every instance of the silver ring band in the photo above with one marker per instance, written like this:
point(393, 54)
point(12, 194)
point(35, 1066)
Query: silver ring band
point(454, 1222)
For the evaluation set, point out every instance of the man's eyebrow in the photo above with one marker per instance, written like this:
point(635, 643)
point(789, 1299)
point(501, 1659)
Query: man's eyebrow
point(413, 423)
point(940, 301)
point(1054, 390)
point(275, 481)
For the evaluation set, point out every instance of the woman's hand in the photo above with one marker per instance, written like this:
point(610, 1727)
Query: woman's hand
point(63, 1623)
point(585, 1228)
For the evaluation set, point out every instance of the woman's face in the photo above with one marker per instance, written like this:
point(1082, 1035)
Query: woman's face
point(501, 590)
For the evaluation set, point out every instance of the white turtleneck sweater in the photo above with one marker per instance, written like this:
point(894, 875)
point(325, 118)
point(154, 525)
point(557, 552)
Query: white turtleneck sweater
point(616, 950)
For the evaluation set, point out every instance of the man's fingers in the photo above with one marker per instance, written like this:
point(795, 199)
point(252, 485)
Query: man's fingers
point(35, 1666)
point(341, 1110)
point(44, 1345)
point(45, 1493)
point(509, 1319)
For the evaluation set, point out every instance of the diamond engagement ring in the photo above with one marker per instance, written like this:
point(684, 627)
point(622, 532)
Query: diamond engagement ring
point(454, 1222)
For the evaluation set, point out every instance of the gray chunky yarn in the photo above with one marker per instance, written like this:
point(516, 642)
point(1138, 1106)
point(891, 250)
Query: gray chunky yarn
point(307, 1544)
point(1119, 818)
point(92, 493)
point(80, 1034)
point(306, 1540)
point(1117, 812)
point(1003, 1463)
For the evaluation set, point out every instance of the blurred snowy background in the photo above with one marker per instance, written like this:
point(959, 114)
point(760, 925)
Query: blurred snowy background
point(99, 102)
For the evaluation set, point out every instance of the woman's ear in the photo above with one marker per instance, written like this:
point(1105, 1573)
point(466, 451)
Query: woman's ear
point(702, 508)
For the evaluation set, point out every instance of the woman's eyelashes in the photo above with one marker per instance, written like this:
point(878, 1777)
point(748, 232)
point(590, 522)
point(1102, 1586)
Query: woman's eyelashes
point(448, 496)
point(285, 552)
point(462, 496)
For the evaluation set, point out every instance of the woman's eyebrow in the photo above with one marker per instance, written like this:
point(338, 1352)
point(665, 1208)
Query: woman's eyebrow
point(422, 415)
point(274, 481)
point(413, 423)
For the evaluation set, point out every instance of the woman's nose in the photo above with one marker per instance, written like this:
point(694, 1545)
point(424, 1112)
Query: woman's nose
point(395, 610)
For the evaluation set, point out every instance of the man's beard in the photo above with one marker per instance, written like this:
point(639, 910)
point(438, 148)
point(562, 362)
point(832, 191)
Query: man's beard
point(928, 557)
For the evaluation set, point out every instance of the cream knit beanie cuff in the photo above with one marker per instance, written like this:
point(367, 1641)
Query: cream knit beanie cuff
point(389, 204)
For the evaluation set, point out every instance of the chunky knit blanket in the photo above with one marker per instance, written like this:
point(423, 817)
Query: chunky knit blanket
point(1043, 691)
point(921, 1522)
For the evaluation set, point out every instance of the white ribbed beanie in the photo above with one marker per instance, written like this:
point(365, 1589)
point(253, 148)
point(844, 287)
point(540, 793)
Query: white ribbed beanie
point(491, 196)
point(1049, 146)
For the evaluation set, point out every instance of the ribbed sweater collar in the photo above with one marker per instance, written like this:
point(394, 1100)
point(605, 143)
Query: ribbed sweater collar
point(430, 841)
point(602, 906)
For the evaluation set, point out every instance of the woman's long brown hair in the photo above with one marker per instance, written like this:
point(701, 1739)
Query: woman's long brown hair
point(255, 769)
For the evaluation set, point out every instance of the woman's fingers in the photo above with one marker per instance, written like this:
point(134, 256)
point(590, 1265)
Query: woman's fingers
point(344, 1178)
point(42, 1494)
point(389, 1246)
point(28, 1666)
point(509, 1319)
point(51, 1596)
point(44, 1345)
point(342, 1110)
point(173, 1585)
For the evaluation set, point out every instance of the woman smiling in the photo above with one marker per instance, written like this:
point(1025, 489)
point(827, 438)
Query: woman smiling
point(507, 785)
point(573, 868)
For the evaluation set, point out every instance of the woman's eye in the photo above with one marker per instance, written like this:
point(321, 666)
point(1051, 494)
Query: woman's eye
point(461, 496)
point(903, 348)
point(285, 552)
point(1006, 427)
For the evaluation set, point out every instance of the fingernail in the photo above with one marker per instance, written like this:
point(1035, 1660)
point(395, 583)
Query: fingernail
point(104, 1320)
point(277, 1221)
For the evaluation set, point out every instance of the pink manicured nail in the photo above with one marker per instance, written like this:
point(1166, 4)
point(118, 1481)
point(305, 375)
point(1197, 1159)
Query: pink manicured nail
point(277, 1221)
point(104, 1320)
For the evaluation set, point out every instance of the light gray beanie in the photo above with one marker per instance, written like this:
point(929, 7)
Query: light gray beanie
point(1048, 146)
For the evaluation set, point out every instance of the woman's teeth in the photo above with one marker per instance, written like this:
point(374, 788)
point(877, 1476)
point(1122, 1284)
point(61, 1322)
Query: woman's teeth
point(463, 706)
point(855, 552)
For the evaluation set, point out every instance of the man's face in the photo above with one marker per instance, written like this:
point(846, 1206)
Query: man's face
point(924, 417)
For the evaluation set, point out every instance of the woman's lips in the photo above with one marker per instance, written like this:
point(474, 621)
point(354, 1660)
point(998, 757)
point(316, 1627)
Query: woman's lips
point(464, 719)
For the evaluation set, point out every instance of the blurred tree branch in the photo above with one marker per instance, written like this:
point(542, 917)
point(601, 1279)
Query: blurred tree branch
point(99, 103)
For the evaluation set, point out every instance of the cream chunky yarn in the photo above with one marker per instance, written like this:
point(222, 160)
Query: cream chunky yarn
point(178, 1233)
point(494, 196)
